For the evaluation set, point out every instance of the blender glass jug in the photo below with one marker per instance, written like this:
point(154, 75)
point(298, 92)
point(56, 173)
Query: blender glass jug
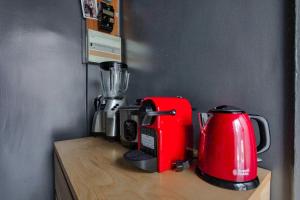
point(114, 79)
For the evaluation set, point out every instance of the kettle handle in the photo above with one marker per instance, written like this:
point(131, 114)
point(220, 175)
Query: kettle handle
point(264, 132)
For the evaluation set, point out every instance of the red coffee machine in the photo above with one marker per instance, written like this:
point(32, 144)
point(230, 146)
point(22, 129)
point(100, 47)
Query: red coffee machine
point(227, 154)
point(165, 133)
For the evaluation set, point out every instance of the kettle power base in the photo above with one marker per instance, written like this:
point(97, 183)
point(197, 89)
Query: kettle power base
point(239, 186)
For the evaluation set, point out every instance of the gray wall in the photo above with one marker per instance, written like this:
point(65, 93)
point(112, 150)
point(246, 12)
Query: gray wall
point(42, 92)
point(43, 83)
point(219, 52)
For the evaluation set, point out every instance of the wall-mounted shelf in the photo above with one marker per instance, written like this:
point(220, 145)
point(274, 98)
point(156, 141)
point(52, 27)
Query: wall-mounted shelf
point(100, 45)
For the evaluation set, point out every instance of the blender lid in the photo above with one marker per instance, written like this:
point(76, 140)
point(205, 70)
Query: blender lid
point(109, 64)
point(226, 109)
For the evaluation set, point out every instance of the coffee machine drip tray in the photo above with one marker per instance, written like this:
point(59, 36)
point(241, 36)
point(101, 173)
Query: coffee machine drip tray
point(141, 160)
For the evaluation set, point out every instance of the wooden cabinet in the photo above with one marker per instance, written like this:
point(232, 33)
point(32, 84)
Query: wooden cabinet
point(62, 190)
point(93, 168)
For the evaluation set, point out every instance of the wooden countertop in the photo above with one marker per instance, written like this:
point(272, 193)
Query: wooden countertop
point(95, 169)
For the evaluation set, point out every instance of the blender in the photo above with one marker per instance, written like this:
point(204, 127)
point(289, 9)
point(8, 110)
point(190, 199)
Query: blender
point(114, 78)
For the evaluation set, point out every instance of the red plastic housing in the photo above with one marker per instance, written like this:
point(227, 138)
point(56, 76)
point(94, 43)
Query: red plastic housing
point(174, 132)
point(227, 147)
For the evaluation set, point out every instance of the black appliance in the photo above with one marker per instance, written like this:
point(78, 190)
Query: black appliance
point(129, 116)
point(106, 15)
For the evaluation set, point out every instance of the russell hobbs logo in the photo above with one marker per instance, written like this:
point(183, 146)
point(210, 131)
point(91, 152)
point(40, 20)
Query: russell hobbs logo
point(240, 172)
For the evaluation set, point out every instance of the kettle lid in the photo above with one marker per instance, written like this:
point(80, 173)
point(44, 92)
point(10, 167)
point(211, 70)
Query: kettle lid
point(226, 109)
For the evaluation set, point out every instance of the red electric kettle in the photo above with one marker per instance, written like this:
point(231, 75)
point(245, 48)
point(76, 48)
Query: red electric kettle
point(227, 154)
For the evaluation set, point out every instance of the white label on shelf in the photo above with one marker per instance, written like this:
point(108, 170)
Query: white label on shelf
point(147, 141)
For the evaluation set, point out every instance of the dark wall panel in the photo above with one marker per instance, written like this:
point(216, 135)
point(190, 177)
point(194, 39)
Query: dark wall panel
point(214, 53)
point(297, 105)
point(93, 84)
point(42, 92)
